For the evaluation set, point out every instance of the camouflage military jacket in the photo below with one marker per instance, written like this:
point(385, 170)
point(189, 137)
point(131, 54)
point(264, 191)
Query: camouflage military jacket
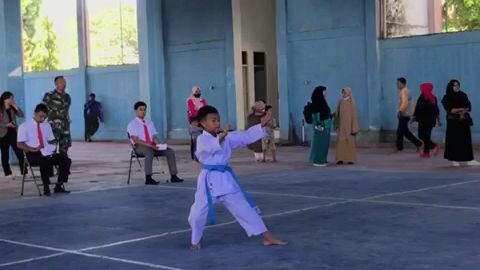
point(58, 116)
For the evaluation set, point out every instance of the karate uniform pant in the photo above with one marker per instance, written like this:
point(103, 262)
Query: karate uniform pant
point(235, 203)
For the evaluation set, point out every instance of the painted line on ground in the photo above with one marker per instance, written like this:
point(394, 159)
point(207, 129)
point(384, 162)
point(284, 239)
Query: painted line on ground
point(369, 199)
point(429, 205)
point(80, 253)
point(32, 259)
point(421, 189)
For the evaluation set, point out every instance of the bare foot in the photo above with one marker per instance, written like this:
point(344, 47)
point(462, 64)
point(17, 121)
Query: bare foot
point(269, 240)
point(196, 246)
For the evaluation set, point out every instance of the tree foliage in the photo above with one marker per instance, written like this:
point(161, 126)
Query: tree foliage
point(461, 15)
point(112, 37)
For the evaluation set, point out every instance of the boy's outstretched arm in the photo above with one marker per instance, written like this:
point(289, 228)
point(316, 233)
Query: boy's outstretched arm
point(238, 139)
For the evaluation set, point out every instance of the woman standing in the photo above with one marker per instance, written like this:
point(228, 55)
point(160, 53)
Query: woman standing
point(321, 125)
point(346, 126)
point(194, 103)
point(255, 118)
point(426, 114)
point(458, 142)
point(8, 131)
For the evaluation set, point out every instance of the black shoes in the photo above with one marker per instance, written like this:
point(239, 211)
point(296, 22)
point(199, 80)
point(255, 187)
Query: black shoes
point(150, 181)
point(61, 189)
point(46, 192)
point(175, 179)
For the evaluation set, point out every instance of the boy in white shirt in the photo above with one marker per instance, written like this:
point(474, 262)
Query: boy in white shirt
point(35, 138)
point(217, 183)
point(143, 136)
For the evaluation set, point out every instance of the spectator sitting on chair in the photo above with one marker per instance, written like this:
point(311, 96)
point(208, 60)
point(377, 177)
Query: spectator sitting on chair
point(144, 137)
point(35, 138)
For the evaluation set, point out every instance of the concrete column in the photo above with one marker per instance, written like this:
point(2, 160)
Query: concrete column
point(152, 62)
point(11, 63)
point(435, 16)
point(282, 67)
point(373, 65)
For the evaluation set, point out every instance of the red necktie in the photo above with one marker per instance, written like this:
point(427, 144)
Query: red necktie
point(147, 135)
point(40, 136)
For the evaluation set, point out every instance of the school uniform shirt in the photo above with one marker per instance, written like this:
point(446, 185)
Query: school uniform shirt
point(135, 128)
point(28, 134)
point(211, 152)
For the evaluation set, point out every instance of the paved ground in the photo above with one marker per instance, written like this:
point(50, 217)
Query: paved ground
point(391, 211)
point(99, 166)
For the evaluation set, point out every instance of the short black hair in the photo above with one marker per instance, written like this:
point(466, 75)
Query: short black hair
point(58, 78)
point(41, 108)
point(92, 95)
point(139, 104)
point(402, 80)
point(268, 107)
point(204, 111)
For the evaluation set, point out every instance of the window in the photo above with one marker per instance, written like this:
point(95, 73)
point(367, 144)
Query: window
point(49, 37)
point(112, 32)
point(402, 18)
point(460, 15)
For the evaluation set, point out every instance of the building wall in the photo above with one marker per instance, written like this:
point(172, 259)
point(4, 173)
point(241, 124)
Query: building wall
point(37, 84)
point(116, 88)
point(198, 51)
point(434, 58)
point(184, 43)
point(10, 49)
point(324, 44)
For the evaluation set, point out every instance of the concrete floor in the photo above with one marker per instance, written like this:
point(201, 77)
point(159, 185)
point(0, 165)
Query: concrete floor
point(391, 211)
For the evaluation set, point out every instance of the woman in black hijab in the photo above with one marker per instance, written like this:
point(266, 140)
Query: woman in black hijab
point(458, 141)
point(321, 125)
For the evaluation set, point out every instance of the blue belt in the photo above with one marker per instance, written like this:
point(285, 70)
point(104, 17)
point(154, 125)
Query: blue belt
point(222, 168)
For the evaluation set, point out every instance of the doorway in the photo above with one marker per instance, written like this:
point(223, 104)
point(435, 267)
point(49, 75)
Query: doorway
point(255, 55)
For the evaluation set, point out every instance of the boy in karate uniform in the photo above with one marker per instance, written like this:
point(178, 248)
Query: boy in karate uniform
point(217, 183)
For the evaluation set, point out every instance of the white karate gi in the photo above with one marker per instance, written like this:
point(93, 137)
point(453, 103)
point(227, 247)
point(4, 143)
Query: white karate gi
point(222, 185)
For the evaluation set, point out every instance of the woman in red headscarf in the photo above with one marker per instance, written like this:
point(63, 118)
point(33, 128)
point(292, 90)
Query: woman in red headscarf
point(426, 114)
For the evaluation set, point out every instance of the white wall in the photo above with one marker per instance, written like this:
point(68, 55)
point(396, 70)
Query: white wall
point(417, 16)
point(257, 33)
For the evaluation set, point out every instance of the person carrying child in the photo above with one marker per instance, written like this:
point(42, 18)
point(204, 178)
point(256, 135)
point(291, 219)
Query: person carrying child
point(268, 142)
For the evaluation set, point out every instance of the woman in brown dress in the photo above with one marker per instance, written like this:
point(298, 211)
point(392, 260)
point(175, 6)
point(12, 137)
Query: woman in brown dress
point(346, 126)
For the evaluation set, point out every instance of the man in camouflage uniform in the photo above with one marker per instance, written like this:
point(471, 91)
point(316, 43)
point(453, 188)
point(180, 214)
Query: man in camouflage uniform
point(58, 104)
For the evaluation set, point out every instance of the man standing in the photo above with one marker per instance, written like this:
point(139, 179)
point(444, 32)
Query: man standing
point(58, 104)
point(36, 138)
point(92, 112)
point(404, 112)
point(143, 135)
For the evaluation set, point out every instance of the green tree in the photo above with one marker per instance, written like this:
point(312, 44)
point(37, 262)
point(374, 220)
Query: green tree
point(30, 12)
point(39, 39)
point(461, 15)
point(113, 37)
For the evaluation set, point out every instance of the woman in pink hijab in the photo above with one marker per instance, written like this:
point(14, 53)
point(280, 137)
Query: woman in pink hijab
point(194, 103)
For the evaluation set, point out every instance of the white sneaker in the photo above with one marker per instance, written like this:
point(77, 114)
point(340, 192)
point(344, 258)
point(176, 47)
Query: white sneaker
point(473, 163)
point(320, 165)
point(455, 164)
